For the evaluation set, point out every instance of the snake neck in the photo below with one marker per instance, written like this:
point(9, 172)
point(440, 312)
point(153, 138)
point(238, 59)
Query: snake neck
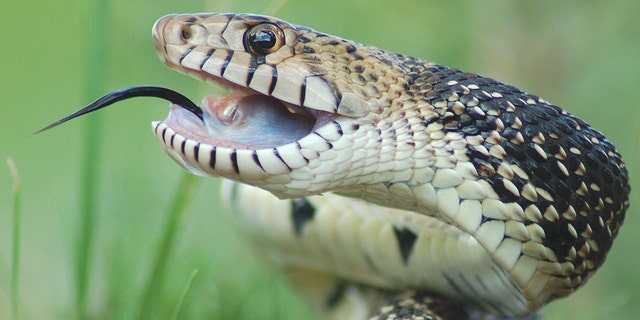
point(512, 170)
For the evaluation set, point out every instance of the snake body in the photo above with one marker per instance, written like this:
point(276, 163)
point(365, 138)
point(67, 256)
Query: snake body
point(402, 174)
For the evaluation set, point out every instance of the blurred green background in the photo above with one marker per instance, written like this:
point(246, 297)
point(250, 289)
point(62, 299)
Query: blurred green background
point(582, 55)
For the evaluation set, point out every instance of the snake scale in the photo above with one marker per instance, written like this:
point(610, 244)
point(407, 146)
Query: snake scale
point(365, 173)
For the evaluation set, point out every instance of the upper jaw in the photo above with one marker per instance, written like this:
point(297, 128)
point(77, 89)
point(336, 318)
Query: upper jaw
point(214, 53)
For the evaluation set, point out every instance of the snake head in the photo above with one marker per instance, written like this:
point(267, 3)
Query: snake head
point(304, 90)
point(262, 54)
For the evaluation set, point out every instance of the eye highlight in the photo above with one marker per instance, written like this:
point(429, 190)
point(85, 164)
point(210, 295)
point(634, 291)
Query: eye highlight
point(263, 39)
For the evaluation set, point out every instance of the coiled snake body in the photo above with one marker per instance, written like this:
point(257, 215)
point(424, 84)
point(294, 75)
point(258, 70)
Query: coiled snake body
point(405, 175)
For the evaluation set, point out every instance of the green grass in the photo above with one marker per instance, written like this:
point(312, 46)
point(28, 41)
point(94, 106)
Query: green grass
point(184, 195)
point(94, 226)
point(15, 250)
point(97, 65)
point(176, 312)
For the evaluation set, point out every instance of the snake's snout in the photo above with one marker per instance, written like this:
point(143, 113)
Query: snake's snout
point(158, 39)
point(175, 36)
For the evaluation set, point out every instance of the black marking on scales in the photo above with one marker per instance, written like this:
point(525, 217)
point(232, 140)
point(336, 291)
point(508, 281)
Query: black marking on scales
point(182, 146)
point(212, 158)
point(303, 91)
point(234, 161)
point(555, 152)
point(406, 240)
point(274, 79)
point(186, 53)
point(256, 160)
point(206, 57)
point(173, 137)
point(196, 152)
point(251, 70)
point(277, 154)
point(302, 212)
point(164, 132)
point(225, 62)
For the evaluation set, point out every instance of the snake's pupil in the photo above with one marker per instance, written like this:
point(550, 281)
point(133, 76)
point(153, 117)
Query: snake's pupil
point(265, 39)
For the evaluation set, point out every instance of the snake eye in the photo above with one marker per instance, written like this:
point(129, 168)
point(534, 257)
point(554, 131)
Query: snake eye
point(263, 39)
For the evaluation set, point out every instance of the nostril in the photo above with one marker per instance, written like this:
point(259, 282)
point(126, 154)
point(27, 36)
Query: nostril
point(185, 32)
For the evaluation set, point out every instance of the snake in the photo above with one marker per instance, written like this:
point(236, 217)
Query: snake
point(366, 174)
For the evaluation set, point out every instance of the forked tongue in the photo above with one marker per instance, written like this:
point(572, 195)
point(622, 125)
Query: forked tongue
point(143, 91)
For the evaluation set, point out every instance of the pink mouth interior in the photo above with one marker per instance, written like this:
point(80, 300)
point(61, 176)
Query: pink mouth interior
point(242, 121)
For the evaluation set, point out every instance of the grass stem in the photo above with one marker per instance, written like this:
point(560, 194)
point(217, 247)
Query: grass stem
point(15, 252)
point(176, 312)
point(155, 282)
point(97, 65)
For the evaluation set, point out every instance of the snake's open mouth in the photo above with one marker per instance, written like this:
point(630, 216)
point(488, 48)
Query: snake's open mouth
point(242, 121)
point(246, 134)
point(206, 138)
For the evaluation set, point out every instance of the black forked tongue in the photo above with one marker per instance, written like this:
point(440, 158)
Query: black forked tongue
point(132, 92)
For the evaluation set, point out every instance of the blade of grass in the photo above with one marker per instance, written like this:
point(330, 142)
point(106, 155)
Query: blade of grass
point(176, 312)
point(154, 284)
point(15, 254)
point(97, 65)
